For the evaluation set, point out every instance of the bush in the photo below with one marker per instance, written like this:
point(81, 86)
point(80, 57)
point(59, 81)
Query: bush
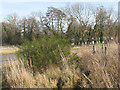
point(44, 51)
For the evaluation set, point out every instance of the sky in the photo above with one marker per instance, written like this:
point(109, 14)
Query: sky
point(26, 7)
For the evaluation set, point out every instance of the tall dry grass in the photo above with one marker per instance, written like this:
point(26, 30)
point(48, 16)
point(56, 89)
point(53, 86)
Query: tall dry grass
point(20, 75)
point(103, 68)
point(90, 71)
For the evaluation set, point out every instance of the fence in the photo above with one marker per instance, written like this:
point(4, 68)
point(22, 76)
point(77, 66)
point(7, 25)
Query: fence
point(93, 44)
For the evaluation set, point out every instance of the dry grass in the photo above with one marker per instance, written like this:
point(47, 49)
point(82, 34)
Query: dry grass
point(103, 71)
point(19, 75)
point(103, 68)
point(8, 49)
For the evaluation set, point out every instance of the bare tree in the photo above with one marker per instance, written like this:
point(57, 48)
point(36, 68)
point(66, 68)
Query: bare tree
point(55, 15)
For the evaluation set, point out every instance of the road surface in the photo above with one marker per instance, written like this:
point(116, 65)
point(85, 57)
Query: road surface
point(8, 57)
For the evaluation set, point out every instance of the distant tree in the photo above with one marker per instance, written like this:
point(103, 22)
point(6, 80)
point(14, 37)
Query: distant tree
point(54, 15)
point(11, 31)
point(104, 22)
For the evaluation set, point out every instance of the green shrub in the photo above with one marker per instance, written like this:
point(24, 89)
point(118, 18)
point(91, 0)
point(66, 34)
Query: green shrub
point(45, 51)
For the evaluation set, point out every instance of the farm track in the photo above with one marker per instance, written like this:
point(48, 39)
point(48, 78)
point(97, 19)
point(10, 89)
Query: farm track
point(6, 59)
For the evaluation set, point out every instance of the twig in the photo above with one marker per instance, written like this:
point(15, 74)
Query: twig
point(87, 78)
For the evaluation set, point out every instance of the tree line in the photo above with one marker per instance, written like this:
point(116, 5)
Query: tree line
point(79, 23)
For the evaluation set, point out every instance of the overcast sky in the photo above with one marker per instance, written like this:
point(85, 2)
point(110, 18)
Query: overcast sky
point(25, 7)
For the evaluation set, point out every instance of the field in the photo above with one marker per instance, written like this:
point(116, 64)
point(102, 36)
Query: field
point(8, 49)
point(89, 71)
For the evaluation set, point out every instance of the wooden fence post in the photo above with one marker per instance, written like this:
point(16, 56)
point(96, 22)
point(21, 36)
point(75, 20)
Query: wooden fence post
point(105, 50)
point(102, 48)
point(93, 49)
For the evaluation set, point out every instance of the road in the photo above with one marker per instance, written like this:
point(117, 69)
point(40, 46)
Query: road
point(8, 57)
